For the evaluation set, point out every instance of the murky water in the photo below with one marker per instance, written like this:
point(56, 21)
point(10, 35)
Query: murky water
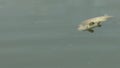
point(43, 34)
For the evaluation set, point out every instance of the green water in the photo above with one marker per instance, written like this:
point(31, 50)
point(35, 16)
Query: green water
point(43, 34)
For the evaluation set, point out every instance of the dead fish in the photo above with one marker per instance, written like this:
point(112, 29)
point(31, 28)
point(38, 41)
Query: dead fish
point(91, 23)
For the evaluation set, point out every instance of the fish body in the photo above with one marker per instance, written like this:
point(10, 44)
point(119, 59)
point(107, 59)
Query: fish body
point(91, 23)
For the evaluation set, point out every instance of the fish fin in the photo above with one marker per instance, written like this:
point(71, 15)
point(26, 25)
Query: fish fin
point(90, 30)
point(99, 24)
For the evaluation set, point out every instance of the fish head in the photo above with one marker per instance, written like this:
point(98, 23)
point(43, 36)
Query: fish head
point(82, 27)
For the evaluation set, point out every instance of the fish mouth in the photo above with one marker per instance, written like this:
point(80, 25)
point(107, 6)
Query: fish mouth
point(81, 28)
